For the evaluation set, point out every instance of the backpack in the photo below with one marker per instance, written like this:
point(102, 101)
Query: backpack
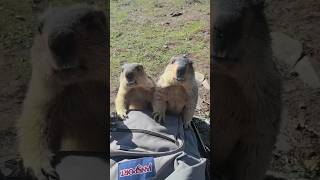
point(142, 149)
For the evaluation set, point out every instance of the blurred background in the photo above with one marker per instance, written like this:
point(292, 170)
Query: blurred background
point(18, 25)
point(295, 27)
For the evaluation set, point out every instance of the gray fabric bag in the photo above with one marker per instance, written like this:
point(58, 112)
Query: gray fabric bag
point(141, 148)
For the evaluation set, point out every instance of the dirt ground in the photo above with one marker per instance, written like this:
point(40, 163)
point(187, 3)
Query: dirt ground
point(15, 40)
point(297, 153)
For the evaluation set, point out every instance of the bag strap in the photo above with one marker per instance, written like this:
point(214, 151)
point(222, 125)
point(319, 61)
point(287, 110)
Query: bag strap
point(203, 149)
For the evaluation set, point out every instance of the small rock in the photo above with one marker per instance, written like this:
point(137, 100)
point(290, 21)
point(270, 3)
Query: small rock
point(206, 85)
point(192, 1)
point(286, 49)
point(21, 18)
point(310, 164)
point(119, 34)
point(271, 175)
point(165, 23)
point(301, 119)
point(294, 74)
point(282, 144)
point(199, 106)
point(199, 77)
point(307, 73)
point(299, 127)
point(175, 14)
point(302, 106)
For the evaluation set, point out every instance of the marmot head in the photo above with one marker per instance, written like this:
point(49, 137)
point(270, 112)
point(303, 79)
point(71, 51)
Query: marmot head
point(72, 44)
point(180, 69)
point(238, 31)
point(132, 75)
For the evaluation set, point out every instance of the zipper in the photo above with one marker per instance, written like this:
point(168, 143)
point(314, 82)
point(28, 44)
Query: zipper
point(144, 131)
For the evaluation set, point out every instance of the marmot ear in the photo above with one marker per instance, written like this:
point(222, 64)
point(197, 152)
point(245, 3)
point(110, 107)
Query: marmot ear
point(140, 67)
point(123, 66)
point(173, 60)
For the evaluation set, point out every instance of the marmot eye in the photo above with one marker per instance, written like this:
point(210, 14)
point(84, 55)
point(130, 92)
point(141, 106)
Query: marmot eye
point(173, 61)
point(122, 69)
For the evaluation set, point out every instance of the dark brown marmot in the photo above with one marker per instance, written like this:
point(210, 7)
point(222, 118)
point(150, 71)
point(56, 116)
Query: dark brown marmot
point(65, 106)
point(246, 92)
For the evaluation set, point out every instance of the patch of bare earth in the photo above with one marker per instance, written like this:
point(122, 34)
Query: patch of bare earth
point(297, 152)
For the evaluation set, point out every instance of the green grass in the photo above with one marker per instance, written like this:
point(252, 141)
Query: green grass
point(16, 30)
point(138, 34)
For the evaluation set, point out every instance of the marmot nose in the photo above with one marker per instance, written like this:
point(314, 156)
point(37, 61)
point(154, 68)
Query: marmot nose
point(181, 70)
point(129, 76)
point(62, 43)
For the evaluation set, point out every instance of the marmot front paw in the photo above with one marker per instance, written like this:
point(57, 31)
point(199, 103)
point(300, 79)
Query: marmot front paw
point(122, 115)
point(42, 170)
point(159, 116)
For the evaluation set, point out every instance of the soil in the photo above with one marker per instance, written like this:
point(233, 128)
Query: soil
point(15, 40)
point(297, 152)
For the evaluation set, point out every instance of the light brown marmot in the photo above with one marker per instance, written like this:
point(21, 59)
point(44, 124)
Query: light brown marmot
point(176, 91)
point(135, 91)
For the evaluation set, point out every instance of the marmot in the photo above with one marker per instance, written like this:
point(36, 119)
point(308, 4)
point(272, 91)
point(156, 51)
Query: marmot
point(176, 91)
point(65, 108)
point(246, 92)
point(135, 91)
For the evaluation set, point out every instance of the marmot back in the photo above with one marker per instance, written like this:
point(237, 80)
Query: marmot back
point(176, 91)
point(65, 104)
point(135, 91)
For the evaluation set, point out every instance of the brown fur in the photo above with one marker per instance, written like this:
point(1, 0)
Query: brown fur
point(176, 97)
point(246, 93)
point(137, 96)
point(64, 109)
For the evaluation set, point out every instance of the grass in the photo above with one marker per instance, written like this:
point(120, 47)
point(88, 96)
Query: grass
point(16, 29)
point(139, 33)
